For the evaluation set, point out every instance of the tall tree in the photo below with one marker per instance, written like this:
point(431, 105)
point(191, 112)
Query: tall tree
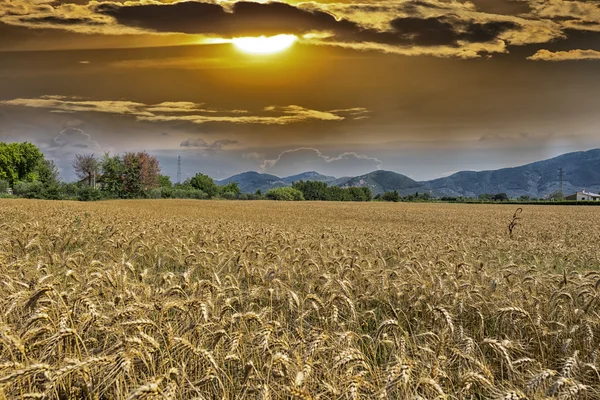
point(165, 181)
point(205, 183)
point(18, 162)
point(232, 187)
point(47, 172)
point(111, 178)
point(86, 167)
point(141, 172)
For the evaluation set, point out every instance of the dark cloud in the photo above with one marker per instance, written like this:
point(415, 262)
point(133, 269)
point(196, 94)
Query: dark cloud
point(200, 143)
point(61, 21)
point(505, 7)
point(249, 18)
point(245, 18)
point(485, 32)
point(440, 31)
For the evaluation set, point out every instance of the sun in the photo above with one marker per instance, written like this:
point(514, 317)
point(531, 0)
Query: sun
point(264, 44)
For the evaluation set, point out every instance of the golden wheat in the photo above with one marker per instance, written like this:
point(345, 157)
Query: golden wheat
point(266, 300)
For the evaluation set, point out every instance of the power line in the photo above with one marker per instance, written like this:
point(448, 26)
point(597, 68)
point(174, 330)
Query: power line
point(560, 179)
point(178, 169)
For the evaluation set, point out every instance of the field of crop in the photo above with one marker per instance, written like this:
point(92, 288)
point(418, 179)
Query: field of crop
point(267, 300)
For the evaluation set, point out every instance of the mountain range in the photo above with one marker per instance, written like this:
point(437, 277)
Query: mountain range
point(581, 170)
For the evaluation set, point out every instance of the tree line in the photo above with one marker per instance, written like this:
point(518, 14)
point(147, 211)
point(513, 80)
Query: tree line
point(25, 172)
point(321, 191)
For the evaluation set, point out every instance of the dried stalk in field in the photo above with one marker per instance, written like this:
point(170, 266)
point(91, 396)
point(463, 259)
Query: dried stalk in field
point(514, 221)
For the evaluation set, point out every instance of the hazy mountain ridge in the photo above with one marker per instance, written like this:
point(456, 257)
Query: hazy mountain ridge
point(309, 176)
point(250, 182)
point(538, 179)
point(384, 181)
point(581, 170)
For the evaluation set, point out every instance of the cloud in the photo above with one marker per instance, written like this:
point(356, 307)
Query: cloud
point(200, 143)
point(68, 142)
point(73, 139)
point(564, 10)
point(571, 55)
point(443, 28)
point(77, 104)
point(57, 20)
point(48, 14)
point(251, 18)
point(305, 159)
point(187, 112)
point(578, 15)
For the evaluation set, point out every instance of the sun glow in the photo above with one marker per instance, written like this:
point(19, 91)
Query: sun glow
point(264, 44)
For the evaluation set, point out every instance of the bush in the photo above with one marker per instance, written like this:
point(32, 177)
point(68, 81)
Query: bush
point(391, 196)
point(188, 193)
point(285, 194)
point(228, 196)
point(88, 193)
point(155, 193)
point(230, 188)
point(28, 190)
point(4, 186)
point(52, 192)
point(163, 192)
point(70, 191)
point(250, 196)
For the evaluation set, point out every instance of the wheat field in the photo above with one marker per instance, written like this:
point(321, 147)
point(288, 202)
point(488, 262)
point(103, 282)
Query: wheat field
point(266, 300)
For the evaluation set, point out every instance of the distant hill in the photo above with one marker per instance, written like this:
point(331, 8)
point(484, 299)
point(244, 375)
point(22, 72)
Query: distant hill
point(309, 176)
point(538, 179)
point(384, 181)
point(341, 181)
point(250, 182)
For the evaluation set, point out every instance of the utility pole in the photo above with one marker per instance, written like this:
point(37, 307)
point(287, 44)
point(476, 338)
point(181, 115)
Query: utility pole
point(179, 169)
point(560, 180)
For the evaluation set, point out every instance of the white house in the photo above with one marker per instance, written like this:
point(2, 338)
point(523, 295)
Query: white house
point(584, 196)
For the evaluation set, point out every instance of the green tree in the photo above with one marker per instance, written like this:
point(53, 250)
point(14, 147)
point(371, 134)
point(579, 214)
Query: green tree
point(18, 162)
point(391, 196)
point(425, 196)
point(284, 194)
point(486, 197)
point(313, 190)
point(164, 181)
point(500, 197)
point(47, 172)
point(4, 187)
point(360, 194)
point(206, 184)
point(232, 188)
point(112, 170)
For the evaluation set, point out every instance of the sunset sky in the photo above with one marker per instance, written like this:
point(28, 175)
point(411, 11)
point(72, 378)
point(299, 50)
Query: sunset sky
point(420, 87)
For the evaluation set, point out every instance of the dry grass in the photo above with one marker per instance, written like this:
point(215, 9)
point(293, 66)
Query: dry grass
point(264, 300)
